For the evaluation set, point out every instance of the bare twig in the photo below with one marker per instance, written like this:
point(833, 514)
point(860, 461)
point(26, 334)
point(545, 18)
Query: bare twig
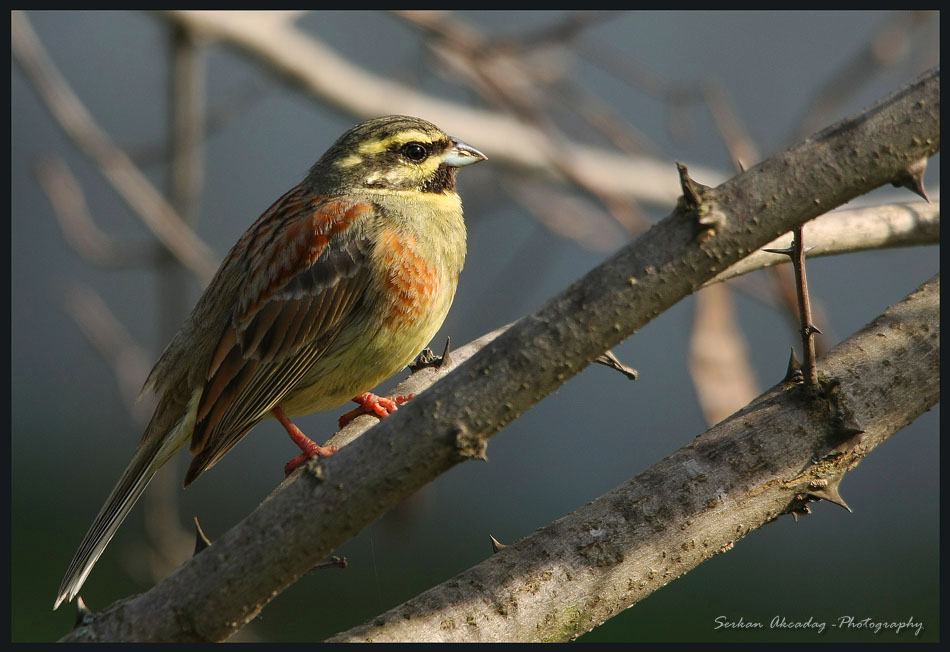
point(79, 229)
point(838, 232)
point(116, 166)
point(737, 139)
point(719, 364)
point(166, 539)
point(808, 329)
point(785, 290)
point(608, 359)
point(306, 62)
point(558, 33)
point(127, 360)
point(333, 562)
point(744, 153)
point(514, 85)
point(853, 230)
point(186, 177)
point(718, 356)
point(889, 46)
point(188, 122)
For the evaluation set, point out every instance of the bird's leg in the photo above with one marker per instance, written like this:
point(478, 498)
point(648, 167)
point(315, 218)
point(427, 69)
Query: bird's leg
point(369, 403)
point(309, 447)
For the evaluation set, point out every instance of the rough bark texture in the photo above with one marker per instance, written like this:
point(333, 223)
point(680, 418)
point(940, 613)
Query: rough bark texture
point(763, 461)
point(216, 592)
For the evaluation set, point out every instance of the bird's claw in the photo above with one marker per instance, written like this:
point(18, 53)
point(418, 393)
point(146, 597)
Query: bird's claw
point(369, 403)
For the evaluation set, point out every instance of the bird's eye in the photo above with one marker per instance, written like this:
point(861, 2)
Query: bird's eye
point(414, 152)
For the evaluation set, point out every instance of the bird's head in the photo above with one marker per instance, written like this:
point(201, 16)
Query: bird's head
point(393, 153)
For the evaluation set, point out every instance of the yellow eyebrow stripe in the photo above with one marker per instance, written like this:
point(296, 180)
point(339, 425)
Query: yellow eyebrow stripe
point(407, 136)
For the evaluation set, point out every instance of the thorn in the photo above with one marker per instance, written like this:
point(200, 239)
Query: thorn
point(201, 539)
point(334, 562)
point(84, 614)
point(793, 372)
point(692, 191)
point(608, 359)
point(850, 427)
point(427, 358)
point(740, 165)
point(811, 328)
point(788, 251)
point(446, 353)
point(496, 545)
point(828, 490)
point(912, 178)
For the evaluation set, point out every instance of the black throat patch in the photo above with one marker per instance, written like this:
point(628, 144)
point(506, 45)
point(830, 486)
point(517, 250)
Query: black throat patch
point(442, 180)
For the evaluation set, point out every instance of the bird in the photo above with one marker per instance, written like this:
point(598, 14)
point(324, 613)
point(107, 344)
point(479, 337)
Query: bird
point(334, 288)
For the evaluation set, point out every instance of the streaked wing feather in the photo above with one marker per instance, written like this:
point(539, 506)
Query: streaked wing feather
point(306, 275)
point(259, 402)
point(267, 383)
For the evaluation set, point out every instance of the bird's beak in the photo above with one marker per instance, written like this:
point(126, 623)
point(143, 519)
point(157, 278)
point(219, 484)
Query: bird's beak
point(461, 155)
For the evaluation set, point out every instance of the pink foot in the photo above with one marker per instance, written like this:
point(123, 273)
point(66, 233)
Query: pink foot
point(309, 447)
point(371, 404)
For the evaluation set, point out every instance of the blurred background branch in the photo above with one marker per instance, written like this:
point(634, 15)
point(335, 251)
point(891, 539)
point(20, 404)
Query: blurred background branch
point(117, 167)
point(307, 62)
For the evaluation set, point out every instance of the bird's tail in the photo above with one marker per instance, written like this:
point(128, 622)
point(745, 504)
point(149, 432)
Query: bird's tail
point(151, 454)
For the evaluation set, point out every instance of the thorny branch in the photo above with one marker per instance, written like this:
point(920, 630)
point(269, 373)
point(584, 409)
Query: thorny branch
point(323, 505)
point(565, 31)
point(568, 577)
point(852, 230)
point(808, 329)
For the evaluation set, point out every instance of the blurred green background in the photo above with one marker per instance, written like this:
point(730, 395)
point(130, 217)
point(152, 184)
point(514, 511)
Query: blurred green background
point(71, 425)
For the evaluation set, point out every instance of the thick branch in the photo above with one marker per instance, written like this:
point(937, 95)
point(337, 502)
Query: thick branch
point(570, 576)
point(319, 508)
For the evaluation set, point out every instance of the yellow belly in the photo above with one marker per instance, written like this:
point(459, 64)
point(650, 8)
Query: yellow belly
point(403, 311)
point(363, 356)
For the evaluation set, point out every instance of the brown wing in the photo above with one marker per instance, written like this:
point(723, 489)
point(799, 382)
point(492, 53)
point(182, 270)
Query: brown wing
point(306, 270)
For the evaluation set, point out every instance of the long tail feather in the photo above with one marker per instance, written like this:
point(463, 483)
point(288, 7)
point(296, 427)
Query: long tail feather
point(117, 506)
point(151, 454)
